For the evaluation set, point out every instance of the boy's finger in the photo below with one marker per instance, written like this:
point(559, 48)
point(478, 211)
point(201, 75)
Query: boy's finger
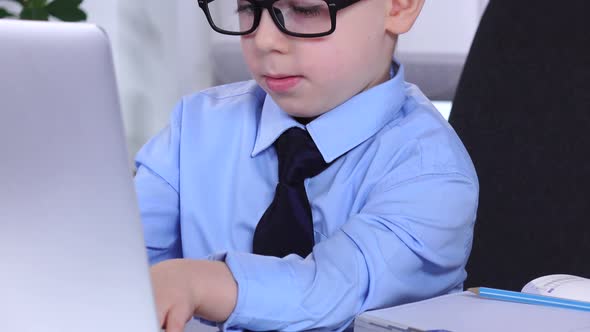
point(177, 318)
point(162, 310)
point(161, 317)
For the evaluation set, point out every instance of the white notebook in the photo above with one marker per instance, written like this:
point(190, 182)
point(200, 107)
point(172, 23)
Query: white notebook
point(466, 312)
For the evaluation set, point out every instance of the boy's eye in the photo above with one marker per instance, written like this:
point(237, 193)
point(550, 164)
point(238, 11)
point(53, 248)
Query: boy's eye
point(307, 10)
point(245, 8)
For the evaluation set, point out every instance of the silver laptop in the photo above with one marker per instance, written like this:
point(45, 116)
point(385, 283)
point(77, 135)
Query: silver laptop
point(72, 256)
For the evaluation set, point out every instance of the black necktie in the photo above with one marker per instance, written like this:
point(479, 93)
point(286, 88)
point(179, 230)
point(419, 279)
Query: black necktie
point(287, 226)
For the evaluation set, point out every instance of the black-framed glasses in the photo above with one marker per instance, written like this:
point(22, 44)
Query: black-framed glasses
point(298, 18)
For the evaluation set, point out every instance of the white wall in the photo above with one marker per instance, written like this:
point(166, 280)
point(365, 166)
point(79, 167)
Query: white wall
point(11, 6)
point(161, 53)
point(444, 26)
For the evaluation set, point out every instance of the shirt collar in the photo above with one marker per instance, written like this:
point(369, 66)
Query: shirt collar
point(378, 106)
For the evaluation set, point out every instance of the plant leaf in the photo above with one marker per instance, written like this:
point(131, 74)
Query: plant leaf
point(5, 13)
point(66, 3)
point(36, 3)
point(37, 14)
point(67, 10)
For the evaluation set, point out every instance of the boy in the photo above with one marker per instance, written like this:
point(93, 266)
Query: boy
point(326, 187)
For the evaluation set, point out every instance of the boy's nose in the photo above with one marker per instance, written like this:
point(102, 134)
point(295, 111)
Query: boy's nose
point(268, 37)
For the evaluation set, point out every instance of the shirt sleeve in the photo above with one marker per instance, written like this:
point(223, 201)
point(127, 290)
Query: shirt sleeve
point(410, 241)
point(157, 188)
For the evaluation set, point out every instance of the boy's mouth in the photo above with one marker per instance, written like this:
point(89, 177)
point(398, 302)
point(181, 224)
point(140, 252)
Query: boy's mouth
point(281, 83)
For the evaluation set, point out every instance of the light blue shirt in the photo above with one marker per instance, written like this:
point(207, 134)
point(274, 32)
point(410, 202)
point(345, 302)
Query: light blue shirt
point(393, 215)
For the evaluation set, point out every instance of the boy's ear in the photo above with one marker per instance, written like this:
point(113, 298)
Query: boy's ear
point(401, 15)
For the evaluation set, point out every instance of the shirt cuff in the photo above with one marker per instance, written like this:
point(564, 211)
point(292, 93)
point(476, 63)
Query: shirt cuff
point(260, 304)
point(235, 319)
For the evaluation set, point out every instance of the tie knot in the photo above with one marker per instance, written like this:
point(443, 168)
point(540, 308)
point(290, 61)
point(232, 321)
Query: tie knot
point(299, 158)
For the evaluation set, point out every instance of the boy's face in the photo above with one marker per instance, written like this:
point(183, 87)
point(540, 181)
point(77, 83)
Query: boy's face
point(310, 76)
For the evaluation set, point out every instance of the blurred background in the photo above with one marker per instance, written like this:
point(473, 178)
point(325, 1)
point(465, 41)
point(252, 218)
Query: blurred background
point(165, 49)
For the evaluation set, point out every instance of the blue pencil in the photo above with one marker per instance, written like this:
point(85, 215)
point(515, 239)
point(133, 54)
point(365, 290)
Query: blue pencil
point(504, 295)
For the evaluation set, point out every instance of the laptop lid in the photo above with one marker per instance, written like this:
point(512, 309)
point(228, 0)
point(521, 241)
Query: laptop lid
point(73, 256)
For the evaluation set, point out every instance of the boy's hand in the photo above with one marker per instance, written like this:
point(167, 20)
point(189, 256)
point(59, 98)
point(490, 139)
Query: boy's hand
point(184, 288)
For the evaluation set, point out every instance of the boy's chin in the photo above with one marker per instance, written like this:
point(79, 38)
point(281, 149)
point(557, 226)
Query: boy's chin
point(302, 113)
point(297, 109)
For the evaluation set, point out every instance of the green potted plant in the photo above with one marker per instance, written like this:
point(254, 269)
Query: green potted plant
point(43, 10)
